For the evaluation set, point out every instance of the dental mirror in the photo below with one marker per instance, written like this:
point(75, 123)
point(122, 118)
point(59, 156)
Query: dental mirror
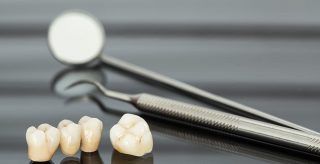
point(77, 38)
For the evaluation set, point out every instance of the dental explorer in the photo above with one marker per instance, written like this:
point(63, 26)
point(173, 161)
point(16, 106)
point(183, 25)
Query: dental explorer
point(210, 139)
point(77, 38)
point(214, 119)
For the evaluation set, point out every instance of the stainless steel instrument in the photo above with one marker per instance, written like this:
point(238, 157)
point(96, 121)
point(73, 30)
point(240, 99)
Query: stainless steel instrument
point(209, 139)
point(214, 119)
point(219, 101)
point(77, 38)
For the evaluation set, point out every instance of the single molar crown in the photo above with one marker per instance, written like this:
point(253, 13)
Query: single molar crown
point(70, 137)
point(42, 142)
point(91, 131)
point(131, 135)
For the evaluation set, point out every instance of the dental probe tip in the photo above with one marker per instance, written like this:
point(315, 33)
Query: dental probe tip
point(97, 84)
point(109, 93)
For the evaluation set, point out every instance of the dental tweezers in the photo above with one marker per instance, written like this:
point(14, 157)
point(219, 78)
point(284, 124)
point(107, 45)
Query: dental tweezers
point(213, 119)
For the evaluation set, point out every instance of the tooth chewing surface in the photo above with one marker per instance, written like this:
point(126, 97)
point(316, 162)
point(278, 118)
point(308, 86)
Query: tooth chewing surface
point(131, 135)
point(69, 137)
point(42, 142)
point(91, 130)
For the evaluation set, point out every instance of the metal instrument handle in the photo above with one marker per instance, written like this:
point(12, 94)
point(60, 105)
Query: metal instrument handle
point(187, 88)
point(230, 123)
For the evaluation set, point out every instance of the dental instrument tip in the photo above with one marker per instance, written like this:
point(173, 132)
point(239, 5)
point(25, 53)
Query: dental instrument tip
point(97, 84)
point(109, 93)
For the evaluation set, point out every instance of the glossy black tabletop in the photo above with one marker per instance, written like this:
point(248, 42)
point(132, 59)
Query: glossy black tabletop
point(268, 67)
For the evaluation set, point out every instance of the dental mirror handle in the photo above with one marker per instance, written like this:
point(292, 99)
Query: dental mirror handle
point(230, 123)
point(218, 100)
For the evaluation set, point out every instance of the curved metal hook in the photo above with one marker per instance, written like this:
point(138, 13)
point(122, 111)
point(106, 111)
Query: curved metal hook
point(109, 93)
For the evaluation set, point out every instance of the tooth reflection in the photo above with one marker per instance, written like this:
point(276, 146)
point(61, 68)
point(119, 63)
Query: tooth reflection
point(70, 160)
point(48, 162)
point(90, 158)
point(85, 158)
point(118, 158)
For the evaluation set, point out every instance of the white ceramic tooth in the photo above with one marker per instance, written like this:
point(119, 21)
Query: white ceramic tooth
point(131, 135)
point(42, 142)
point(91, 131)
point(70, 137)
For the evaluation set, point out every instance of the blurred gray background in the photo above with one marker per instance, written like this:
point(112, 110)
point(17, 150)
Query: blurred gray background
point(267, 43)
point(264, 54)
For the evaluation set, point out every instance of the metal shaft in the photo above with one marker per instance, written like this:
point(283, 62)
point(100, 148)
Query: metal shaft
point(234, 124)
point(217, 100)
point(211, 139)
point(214, 119)
point(225, 143)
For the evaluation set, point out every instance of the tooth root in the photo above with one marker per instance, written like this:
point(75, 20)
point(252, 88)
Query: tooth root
point(70, 137)
point(91, 131)
point(42, 142)
point(131, 135)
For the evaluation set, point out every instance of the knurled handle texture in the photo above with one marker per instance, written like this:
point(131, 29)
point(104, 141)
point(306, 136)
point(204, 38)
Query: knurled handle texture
point(234, 124)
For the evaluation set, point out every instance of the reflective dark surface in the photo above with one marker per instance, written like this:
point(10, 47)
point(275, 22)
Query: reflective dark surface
point(85, 158)
point(173, 142)
point(262, 54)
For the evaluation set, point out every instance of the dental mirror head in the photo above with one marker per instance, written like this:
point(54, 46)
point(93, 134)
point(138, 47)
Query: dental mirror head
point(76, 38)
